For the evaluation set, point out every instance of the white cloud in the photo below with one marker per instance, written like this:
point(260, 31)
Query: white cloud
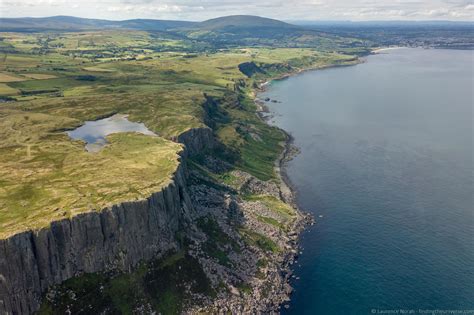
point(33, 3)
point(280, 9)
point(145, 9)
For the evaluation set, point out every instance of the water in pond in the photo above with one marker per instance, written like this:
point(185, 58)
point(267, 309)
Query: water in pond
point(94, 132)
point(387, 161)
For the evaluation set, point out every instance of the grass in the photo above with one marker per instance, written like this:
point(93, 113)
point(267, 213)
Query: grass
point(259, 240)
point(58, 178)
point(154, 79)
point(55, 81)
point(164, 284)
point(245, 288)
point(271, 221)
point(6, 77)
point(274, 204)
point(6, 90)
point(98, 69)
point(39, 76)
point(279, 215)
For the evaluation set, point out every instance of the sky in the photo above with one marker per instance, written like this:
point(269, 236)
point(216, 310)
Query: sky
point(198, 10)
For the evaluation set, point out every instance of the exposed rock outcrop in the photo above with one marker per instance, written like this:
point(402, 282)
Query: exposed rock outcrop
point(115, 238)
point(256, 277)
point(236, 249)
point(197, 140)
point(118, 237)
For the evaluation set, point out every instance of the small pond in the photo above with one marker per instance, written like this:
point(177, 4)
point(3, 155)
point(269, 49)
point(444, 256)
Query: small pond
point(94, 132)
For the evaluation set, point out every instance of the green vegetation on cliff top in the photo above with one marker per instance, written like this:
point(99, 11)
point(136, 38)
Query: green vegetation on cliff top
point(50, 82)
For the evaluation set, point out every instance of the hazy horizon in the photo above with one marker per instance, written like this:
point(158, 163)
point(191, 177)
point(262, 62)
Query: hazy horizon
point(297, 21)
point(295, 10)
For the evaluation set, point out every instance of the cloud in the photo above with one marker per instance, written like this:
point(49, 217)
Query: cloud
point(145, 8)
point(32, 3)
point(280, 9)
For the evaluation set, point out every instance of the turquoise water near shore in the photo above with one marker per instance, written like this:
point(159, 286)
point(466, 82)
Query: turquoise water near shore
point(386, 167)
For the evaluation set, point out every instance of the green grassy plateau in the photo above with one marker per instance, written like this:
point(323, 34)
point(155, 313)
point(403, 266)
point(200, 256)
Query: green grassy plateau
point(51, 82)
point(172, 76)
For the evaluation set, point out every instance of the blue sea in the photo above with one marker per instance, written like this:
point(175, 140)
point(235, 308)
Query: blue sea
point(386, 168)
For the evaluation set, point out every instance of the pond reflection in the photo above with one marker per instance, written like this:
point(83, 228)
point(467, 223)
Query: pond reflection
point(94, 132)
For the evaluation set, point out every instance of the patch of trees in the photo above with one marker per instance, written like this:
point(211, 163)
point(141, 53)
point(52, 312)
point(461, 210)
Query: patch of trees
point(250, 69)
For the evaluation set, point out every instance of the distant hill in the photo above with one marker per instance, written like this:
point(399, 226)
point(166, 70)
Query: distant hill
point(70, 23)
point(154, 25)
point(249, 30)
point(74, 23)
point(242, 21)
point(222, 32)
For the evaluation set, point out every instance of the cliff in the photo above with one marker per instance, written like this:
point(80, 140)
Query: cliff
point(118, 237)
point(196, 140)
point(124, 235)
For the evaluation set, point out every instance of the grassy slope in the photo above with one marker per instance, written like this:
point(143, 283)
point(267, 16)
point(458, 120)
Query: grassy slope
point(54, 178)
point(62, 80)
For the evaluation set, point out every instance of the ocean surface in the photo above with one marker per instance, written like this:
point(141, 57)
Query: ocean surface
point(386, 167)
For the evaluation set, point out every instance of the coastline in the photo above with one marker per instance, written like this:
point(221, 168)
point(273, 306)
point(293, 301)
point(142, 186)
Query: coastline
point(263, 85)
point(304, 220)
point(321, 281)
point(288, 193)
point(383, 49)
point(289, 150)
point(279, 272)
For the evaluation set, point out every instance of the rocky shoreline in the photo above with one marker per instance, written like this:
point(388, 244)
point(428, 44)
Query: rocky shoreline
point(243, 232)
point(288, 193)
point(270, 289)
point(279, 295)
point(264, 298)
point(210, 202)
point(287, 190)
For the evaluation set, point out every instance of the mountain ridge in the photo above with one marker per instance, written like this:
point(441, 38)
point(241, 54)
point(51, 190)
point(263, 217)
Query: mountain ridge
point(243, 20)
point(63, 22)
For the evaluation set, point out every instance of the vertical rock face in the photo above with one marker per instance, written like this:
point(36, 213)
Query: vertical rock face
point(118, 237)
point(196, 140)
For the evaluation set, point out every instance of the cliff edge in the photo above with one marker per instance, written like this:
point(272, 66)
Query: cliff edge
point(118, 237)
